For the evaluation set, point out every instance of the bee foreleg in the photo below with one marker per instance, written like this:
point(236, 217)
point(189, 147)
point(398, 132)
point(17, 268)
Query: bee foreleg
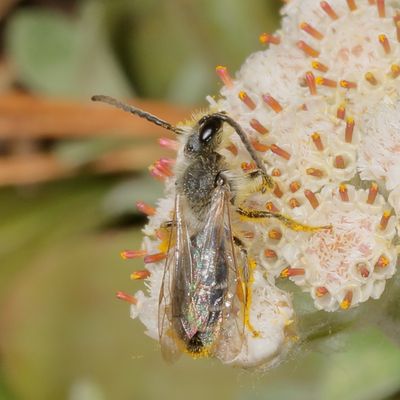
point(287, 221)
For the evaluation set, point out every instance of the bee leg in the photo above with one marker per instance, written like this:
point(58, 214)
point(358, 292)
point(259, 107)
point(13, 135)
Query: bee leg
point(288, 222)
point(263, 182)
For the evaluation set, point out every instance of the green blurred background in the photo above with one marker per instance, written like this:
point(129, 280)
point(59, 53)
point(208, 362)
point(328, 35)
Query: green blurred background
point(63, 335)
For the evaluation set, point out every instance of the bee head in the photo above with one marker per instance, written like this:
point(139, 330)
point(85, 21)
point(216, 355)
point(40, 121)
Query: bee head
point(206, 136)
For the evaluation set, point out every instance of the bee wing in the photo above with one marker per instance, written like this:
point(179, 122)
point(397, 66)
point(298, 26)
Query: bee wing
point(177, 276)
point(218, 246)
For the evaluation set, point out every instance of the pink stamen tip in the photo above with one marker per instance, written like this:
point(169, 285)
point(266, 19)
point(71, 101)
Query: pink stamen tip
point(319, 66)
point(168, 143)
point(316, 138)
point(139, 275)
point(145, 208)
point(280, 152)
point(308, 50)
point(310, 196)
point(344, 194)
point(258, 146)
point(381, 8)
point(223, 74)
point(372, 193)
point(311, 31)
point(310, 79)
point(245, 98)
point(328, 10)
point(339, 162)
point(383, 40)
point(341, 112)
point(352, 5)
point(270, 101)
point(385, 220)
point(130, 254)
point(266, 38)
point(347, 84)
point(325, 82)
point(294, 186)
point(126, 297)
point(348, 135)
point(257, 126)
point(277, 191)
point(153, 258)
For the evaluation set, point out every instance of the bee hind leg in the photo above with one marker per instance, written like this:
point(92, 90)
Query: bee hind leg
point(287, 221)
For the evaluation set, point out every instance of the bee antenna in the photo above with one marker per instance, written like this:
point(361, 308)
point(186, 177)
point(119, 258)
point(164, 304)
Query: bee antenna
point(137, 111)
point(243, 137)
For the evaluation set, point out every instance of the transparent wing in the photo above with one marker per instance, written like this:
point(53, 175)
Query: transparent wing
point(178, 265)
point(217, 257)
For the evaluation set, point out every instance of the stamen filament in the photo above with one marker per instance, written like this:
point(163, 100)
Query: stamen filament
point(344, 194)
point(372, 193)
point(385, 219)
point(269, 100)
point(130, 254)
point(328, 10)
point(384, 41)
point(316, 138)
point(341, 112)
point(308, 50)
point(224, 75)
point(325, 82)
point(346, 302)
point(145, 208)
point(311, 31)
point(370, 77)
point(139, 275)
point(288, 272)
point(126, 297)
point(310, 80)
point(153, 258)
point(294, 186)
point(266, 38)
point(245, 98)
point(381, 8)
point(319, 66)
point(348, 134)
point(280, 152)
point(321, 291)
point(310, 196)
point(257, 126)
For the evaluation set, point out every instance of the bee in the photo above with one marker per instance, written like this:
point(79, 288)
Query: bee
point(204, 301)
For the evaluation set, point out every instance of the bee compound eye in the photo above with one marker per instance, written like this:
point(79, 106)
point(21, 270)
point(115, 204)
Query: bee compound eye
point(209, 128)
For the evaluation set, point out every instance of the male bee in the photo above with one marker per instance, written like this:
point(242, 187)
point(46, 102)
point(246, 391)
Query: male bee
point(203, 297)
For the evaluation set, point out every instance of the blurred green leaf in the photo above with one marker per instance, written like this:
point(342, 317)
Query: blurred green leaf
point(56, 55)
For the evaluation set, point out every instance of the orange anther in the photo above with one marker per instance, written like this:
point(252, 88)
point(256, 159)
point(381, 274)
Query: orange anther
point(352, 5)
point(266, 38)
point(385, 219)
point(257, 126)
point(247, 167)
point(315, 172)
point(316, 138)
point(293, 203)
point(347, 84)
point(325, 82)
point(310, 196)
point(259, 146)
point(270, 101)
point(381, 8)
point(233, 149)
point(294, 186)
point(344, 194)
point(370, 77)
point(348, 134)
point(384, 41)
point(319, 66)
point(328, 9)
point(126, 297)
point(372, 193)
point(362, 269)
point(130, 254)
point(138, 275)
point(145, 208)
point(244, 97)
point(277, 191)
point(280, 152)
point(270, 206)
point(395, 70)
point(276, 172)
point(153, 258)
point(321, 291)
point(382, 262)
point(269, 253)
point(288, 272)
point(311, 31)
point(310, 80)
point(308, 50)
point(274, 234)
point(339, 162)
point(341, 112)
point(346, 302)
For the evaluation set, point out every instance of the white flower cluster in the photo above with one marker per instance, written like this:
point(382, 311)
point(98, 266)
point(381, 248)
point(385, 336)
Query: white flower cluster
point(322, 108)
